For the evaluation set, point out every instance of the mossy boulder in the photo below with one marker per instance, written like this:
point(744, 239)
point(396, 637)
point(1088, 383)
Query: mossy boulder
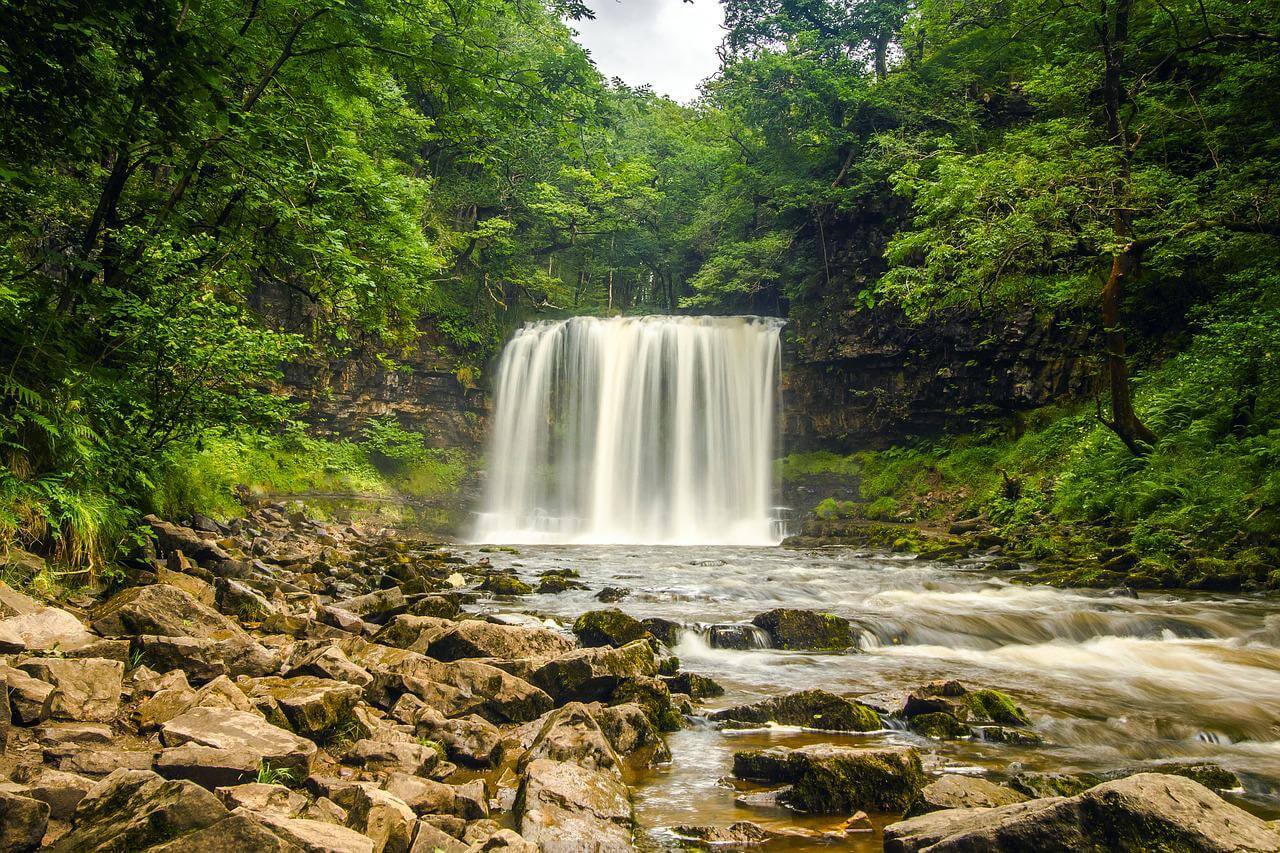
point(695, 686)
point(939, 725)
point(560, 580)
point(828, 779)
point(665, 630)
point(1038, 785)
point(806, 630)
point(995, 706)
point(812, 709)
point(654, 698)
point(592, 674)
point(505, 585)
point(609, 628)
point(1209, 775)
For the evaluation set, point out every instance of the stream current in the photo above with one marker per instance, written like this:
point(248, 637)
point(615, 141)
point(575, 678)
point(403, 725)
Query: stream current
point(1112, 683)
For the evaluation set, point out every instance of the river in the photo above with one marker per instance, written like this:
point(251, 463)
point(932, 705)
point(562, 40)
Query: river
point(1111, 682)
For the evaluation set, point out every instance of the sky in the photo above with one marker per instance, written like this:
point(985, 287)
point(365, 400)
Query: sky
point(669, 44)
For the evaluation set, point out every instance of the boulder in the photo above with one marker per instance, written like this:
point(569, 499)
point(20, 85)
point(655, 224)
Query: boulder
point(164, 611)
point(202, 591)
point(504, 841)
point(565, 808)
point(43, 630)
point(310, 706)
point(30, 699)
point(313, 836)
point(630, 731)
point(374, 605)
point(407, 631)
point(379, 815)
point(62, 792)
point(457, 688)
point(828, 779)
point(475, 639)
point(257, 797)
point(23, 821)
point(609, 628)
point(200, 658)
point(744, 833)
point(504, 584)
point(962, 792)
point(100, 762)
point(694, 686)
point(653, 696)
point(394, 756)
point(612, 594)
point(235, 832)
point(137, 809)
point(429, 839)
point(806, 630)
point(245, 738)
point(471, 741)
point(965, 705)
point(1039, 785)
point(939, 725)
point(173, 537)
point(588, 675)
point(12, 602)
point(329, 661)
point(572, 734)
point(665, 631)
point(86, 689)
point(427, 796)
point(1139, 813)
point(812, 709)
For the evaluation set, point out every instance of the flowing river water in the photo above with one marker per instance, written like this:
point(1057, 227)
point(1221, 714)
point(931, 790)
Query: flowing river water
point(1112, 683)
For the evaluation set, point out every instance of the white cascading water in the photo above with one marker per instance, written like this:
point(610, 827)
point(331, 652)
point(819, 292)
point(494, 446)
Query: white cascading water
point(635, 430)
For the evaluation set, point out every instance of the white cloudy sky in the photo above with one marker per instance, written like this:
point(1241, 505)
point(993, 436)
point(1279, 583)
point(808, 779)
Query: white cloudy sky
point(669, 44)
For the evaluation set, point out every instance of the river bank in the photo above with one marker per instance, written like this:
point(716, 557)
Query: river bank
point(330, 687)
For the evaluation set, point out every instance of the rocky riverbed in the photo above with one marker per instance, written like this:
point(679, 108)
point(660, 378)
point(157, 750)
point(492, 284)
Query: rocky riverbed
point(282, 683)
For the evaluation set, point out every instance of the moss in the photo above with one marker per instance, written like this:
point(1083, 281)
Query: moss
point(995, 706)
point(806, 630)
point(939, 725)
point(813, 709)
point(1210, 775)
point(505, 585)
point(827, 780)
point(609, 628)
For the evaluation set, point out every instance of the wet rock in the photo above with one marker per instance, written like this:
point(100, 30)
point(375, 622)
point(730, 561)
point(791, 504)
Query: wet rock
point(43, 630)
point(257, 797)
point(609, 628)
point(86, 689)
point(744, 833)
point(665, 630)
point(806, 630)
point(1040, 785)
point(653, 696)
point(22, 822)
point(588, 675)
point(1127, 816)
point(611, 594)
point(500, 584)
point(737, 637)
point(310, 706)
point(962, 792)
point(827, 779)
point(471, 741)
point(559, 805)
point(1210, 775)
point(1002, 734)
point(553, 583)
point(939, 725)
point(245, 739)
point(996, 707)
point(694, 686)
point(813, 709)
point(137, 809)
point(973, 706)
point(475, 639)
point(163, 611)
point(630, 731)
point(572, 734)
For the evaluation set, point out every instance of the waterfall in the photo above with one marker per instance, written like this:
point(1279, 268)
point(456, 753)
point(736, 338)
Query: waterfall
point(638, 430)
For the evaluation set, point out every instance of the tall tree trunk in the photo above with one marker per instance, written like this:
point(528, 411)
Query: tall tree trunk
point(1125, 423)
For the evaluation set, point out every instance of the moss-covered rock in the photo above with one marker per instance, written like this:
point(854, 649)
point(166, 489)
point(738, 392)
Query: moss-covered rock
point(806, 630)
point(1209, 775)
point(812, 709)
point(828, 779)
point(695, 686)
point(665, 630)
point(1038, 785)
point(592, 674)
point(505, 585)
point(609, 628)
point(654, 698)
point(939, 725)
point(555, 582)
point(995, 706)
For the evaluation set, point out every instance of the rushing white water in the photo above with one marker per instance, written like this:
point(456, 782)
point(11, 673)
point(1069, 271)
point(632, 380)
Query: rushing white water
point(641, 430)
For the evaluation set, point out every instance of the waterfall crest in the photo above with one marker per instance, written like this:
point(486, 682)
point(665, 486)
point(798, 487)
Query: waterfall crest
point(637, 430)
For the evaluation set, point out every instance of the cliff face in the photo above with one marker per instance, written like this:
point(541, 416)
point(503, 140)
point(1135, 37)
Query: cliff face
point(864, 379)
